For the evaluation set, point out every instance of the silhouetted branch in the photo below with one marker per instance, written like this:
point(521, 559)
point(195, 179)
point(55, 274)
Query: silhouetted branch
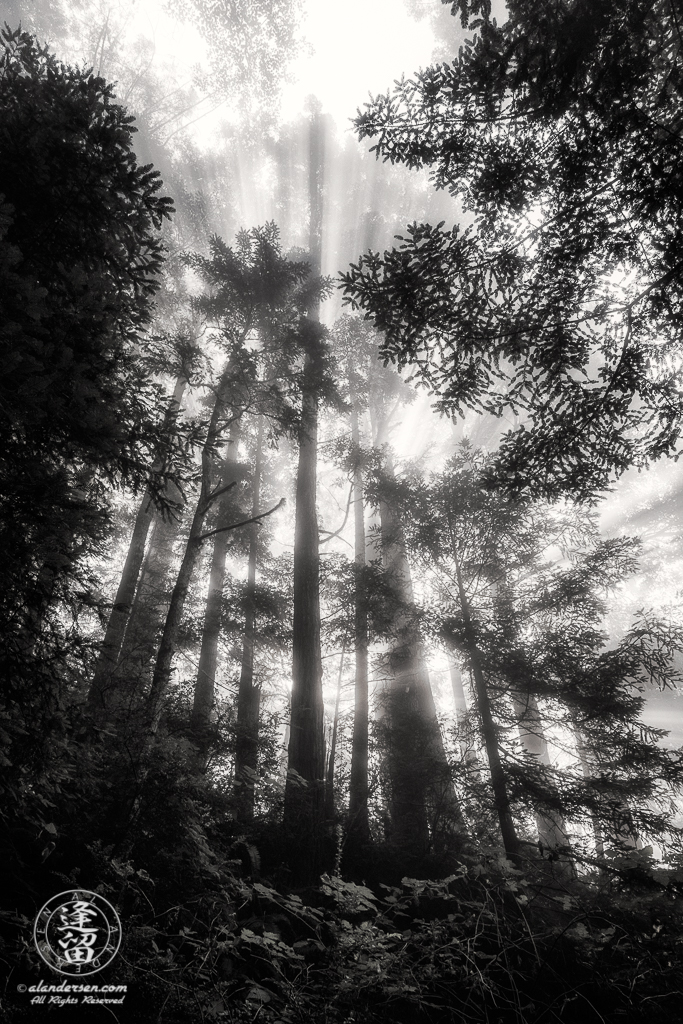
point(337, 532)
point(243, 522)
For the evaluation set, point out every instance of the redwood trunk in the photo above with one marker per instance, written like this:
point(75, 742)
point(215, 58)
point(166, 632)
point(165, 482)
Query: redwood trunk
point(359, 828)
point(102, 696)
point(551, 831)
point(150, 606)
point(206, 673)
point(488, 727)
point(304, 789)
point(249, 696)
point(423, 801)
point(169, 638)
point(465, 731)
point(304, 796)
point(329, 782)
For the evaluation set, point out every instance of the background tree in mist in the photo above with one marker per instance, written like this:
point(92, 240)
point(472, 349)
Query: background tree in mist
point(422, 804)
point(253, 290)
point(304, 793)
point(531, 633)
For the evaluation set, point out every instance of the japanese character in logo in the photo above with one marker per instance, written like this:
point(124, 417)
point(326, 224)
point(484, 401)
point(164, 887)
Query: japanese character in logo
point(77, 932)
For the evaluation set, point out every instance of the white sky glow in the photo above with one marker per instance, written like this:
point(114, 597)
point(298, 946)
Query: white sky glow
point(358, 47)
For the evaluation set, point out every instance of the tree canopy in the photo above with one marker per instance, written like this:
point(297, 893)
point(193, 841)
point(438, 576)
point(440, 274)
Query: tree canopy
point(558, 297)
point(81, 260)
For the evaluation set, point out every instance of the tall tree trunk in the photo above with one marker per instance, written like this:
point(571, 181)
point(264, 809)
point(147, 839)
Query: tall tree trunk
point(329, 781)
point(501, 799)
point(152, 598)
point(169, 639)
point(102, 696)
point(423, 798)
point(249, 695)
point(465, 731)
point(206, 672)
point(584, 761)
point(359, 828)
point(552, 835)
point(304, 796)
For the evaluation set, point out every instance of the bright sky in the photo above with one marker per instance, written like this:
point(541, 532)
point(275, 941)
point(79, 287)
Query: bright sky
point(358, 46)
point(352, 49)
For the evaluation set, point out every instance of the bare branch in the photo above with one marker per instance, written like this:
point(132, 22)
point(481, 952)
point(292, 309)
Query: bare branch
point(337, 532)
point(243, 522)
point(217, 493)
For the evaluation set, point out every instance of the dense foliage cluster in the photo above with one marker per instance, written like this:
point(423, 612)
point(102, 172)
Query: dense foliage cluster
point(557, 296)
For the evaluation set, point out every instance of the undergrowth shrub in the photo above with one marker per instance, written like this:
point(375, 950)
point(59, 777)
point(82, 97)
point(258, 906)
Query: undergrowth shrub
point(213, 931)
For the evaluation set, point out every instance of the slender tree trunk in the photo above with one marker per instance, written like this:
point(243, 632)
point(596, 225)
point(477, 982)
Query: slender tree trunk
point(102, 696)
point(169, 639)
point(489, 731)
point(206, 672)
point(552, 835)
point(249, 695)
point(586, 772)
point(359, 828)
point(329, 782)
point(551, 831)
point(465, 732)
point(150, 606)
point(304, 790)
point(104, 684)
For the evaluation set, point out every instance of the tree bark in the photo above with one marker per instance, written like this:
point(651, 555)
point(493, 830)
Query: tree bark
point(169, 639)
point(489, 730)
point(465, 731)
point(304, 790)
point(552, 837)
point(551, 831)
point(150, 606)
point(206, 672)
point(423, 806)
point(249, 695)
point(329, 781)
point(102, 696)
point(359, 828)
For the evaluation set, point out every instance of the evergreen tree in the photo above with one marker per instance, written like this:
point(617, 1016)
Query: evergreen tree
point(304, 793)
point(423, 806)
point(253, 286)
point(558, 296)
point(249, 693)
point(80, 258)
point(208, 656)
point(531, 634)
point(119, 617)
